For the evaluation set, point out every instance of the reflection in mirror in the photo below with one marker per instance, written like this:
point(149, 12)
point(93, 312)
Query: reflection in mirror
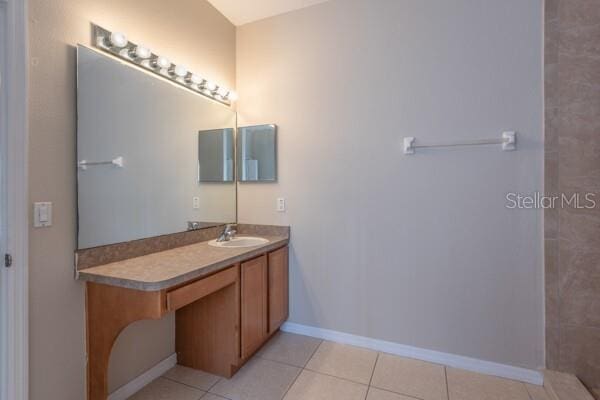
point(215, 155)
point(153, 125)
point(257, 153)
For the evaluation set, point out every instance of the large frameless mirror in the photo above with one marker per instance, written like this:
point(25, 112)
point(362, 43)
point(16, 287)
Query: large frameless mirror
point(257, 153)
point(142, 169)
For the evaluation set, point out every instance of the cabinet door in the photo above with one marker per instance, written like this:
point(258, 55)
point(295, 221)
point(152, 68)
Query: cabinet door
point(278, 288)
point(254, 304)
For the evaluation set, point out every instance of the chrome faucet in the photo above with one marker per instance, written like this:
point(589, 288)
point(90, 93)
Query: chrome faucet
point(228, 233)
point(193, 225)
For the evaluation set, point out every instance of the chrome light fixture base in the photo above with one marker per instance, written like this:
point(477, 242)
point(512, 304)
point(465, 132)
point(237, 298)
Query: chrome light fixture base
point(119, 46)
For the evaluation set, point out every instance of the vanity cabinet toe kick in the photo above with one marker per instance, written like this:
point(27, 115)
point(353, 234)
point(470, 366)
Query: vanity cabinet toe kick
point(221, 319)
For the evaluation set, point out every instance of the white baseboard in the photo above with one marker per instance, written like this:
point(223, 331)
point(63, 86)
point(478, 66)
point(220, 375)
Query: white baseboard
point(450, 360)
point(135, 385)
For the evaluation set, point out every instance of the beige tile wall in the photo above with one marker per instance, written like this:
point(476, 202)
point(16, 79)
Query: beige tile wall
point(572, 238)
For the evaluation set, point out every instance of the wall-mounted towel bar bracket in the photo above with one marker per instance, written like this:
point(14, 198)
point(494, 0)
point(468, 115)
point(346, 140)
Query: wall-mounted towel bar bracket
point(117, 162)
point(508, 142)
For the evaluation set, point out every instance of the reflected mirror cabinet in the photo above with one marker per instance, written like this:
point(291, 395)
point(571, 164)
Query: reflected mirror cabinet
point(256, 153)
point(154, 156)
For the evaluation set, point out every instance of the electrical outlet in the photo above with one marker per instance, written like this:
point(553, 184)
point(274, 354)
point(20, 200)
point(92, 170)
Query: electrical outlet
point(195, 203)
point(281, 204)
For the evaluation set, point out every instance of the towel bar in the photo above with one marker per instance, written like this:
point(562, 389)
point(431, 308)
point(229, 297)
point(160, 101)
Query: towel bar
point(508, 142)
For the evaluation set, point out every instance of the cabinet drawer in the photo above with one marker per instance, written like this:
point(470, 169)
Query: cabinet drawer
point(188, 294)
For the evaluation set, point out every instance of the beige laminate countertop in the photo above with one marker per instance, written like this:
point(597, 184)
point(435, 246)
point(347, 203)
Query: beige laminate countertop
point(169, 268)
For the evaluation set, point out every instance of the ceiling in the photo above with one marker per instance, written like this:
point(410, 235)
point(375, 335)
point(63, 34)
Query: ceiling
point(241, 12)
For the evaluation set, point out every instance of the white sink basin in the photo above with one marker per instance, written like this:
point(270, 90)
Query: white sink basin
point(240, 241)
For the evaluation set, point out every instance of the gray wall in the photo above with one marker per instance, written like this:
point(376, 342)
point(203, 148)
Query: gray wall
point(192, 32)
point(418, 250)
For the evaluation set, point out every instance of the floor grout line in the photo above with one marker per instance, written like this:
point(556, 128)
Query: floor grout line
point(203, 395)
point(374, 367)
point(334, 376)
point(280, 362)
point(213, 394)
point(276, 362)
point(401, 394)
point(262, 357)
point(292, 384)
point(372, 374)
point(219, 396)
point(527, 391)
point(301, 369)
point(446, 379)
point(182, 383)
point(191, 386)
point(214, 384)
point(313, 353)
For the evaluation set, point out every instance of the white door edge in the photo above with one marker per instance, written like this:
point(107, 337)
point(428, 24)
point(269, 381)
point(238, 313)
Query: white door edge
point(14, 304)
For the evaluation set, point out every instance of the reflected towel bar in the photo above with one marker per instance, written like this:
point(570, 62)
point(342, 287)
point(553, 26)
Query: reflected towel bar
point(508, 142)
point(83, 164)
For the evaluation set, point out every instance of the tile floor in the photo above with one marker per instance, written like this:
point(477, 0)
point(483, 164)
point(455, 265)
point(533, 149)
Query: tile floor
point(294, 367)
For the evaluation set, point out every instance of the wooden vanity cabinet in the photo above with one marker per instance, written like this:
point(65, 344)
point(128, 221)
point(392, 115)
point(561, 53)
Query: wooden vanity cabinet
point(221, 319)
point(264, 298)
point(278, 278)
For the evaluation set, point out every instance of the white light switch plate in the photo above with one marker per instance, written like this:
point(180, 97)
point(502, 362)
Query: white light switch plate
point(42, 214)
point(281, 204)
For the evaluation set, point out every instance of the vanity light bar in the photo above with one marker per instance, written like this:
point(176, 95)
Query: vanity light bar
point(118, 45)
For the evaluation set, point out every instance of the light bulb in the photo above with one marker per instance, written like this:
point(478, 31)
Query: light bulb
point(196, 79)
point(233, 96)
point(211, 86)
point(162, 62)
point(142, 52)
point(118, 39)
point(180, 71)
point(222, 91)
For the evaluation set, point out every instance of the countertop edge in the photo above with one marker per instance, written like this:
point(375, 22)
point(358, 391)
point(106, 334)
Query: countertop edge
point(192, 275)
